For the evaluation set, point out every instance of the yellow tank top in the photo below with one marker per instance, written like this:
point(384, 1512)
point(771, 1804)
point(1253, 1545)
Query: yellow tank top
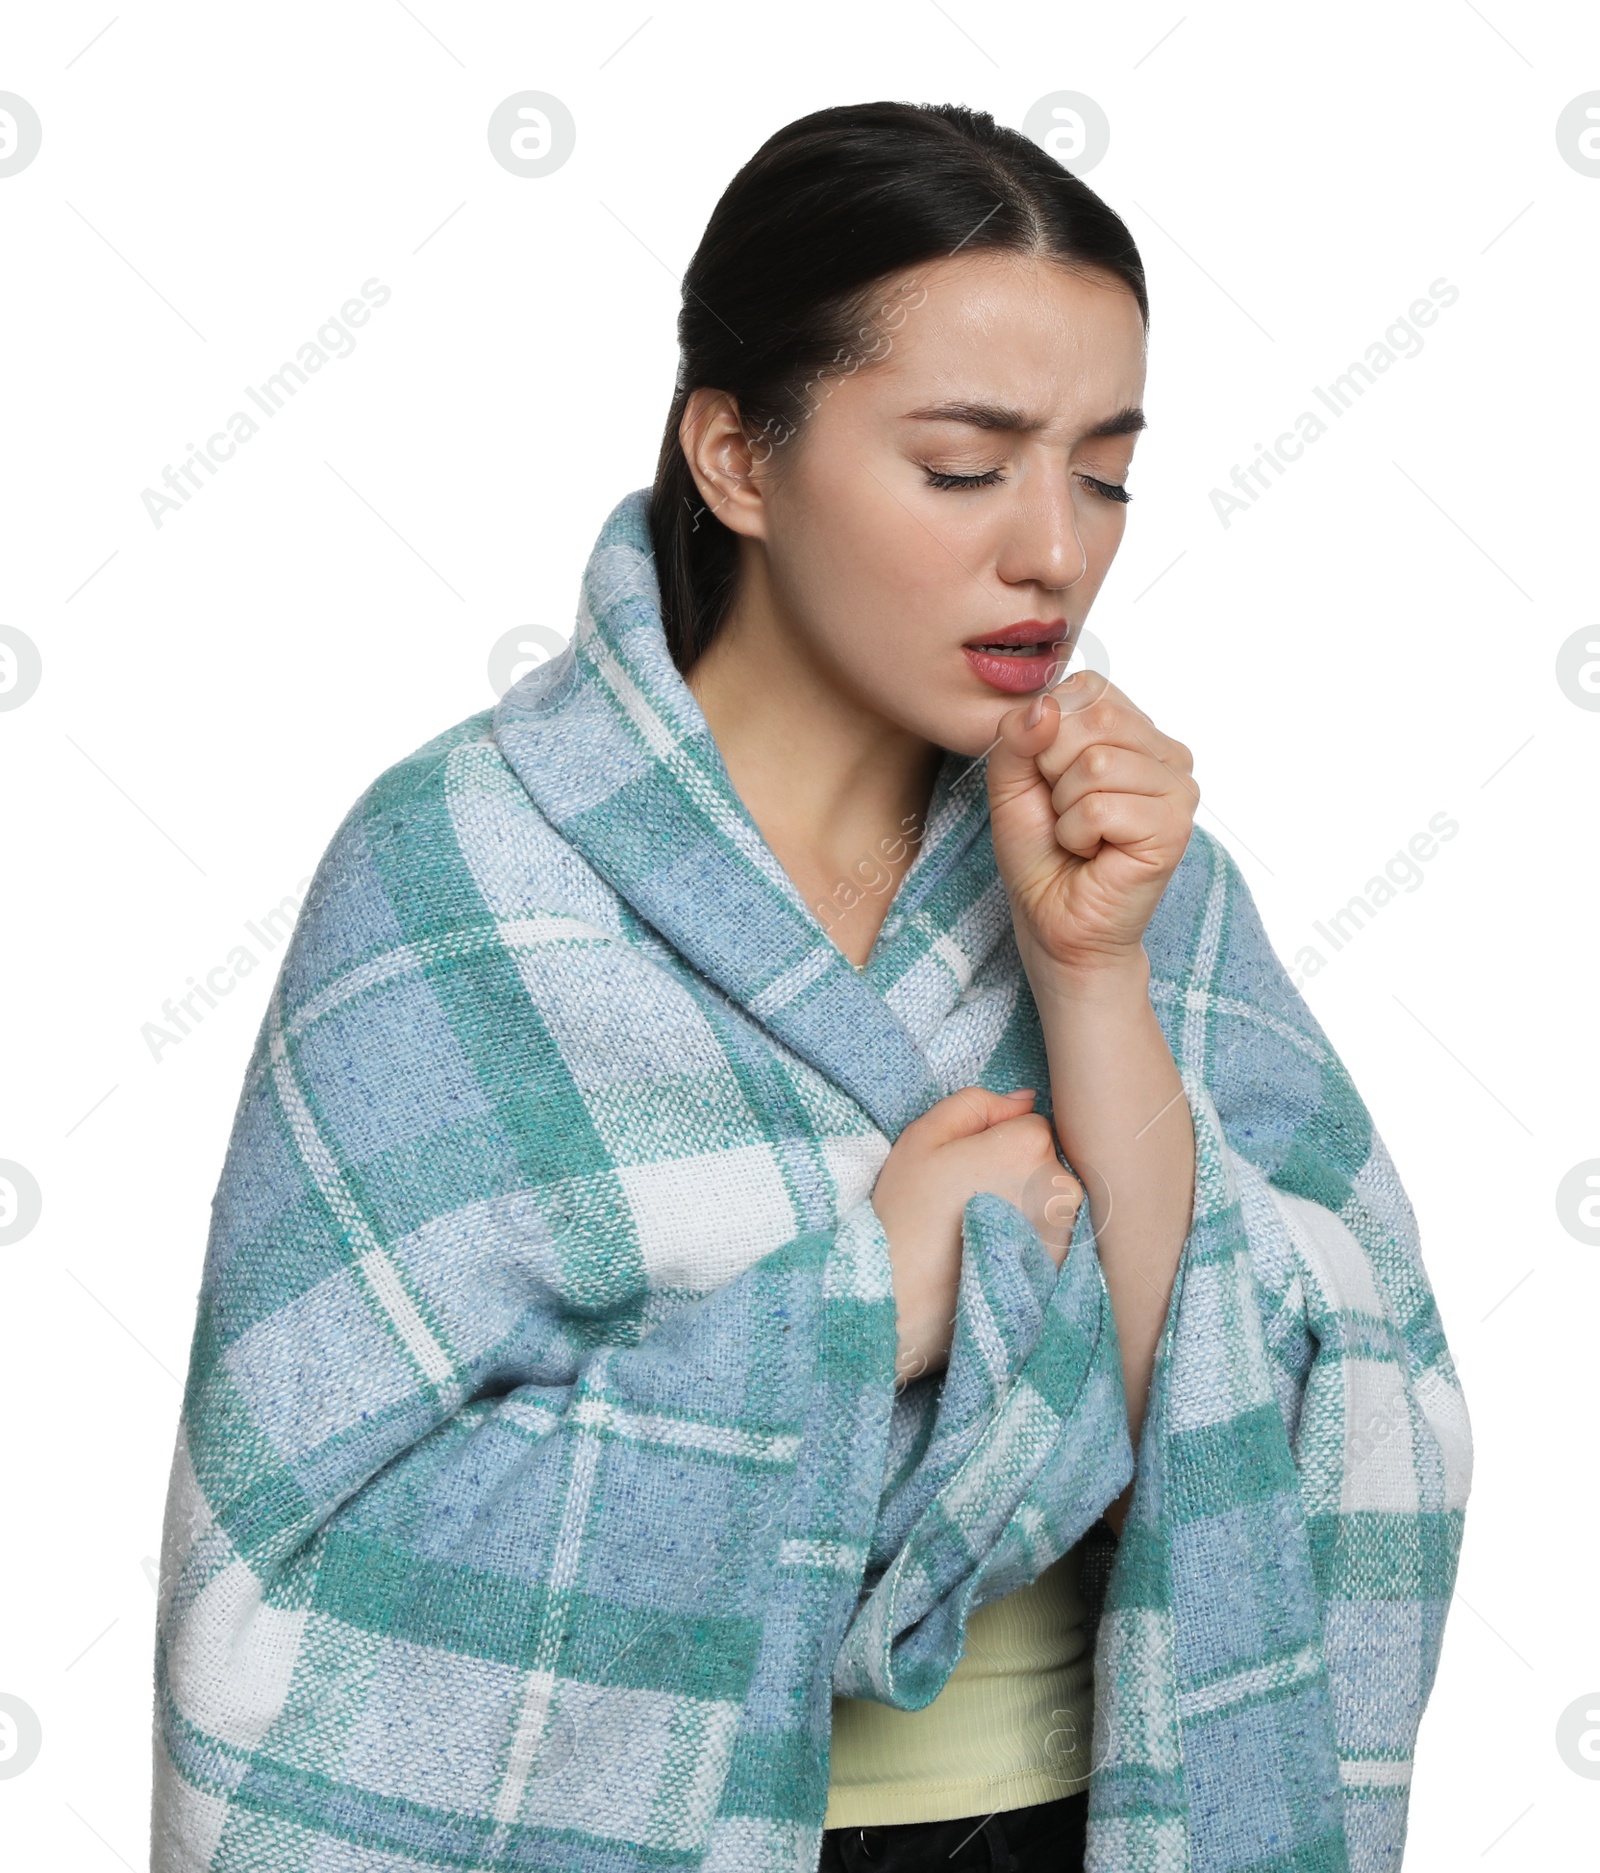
point(1010, 1728)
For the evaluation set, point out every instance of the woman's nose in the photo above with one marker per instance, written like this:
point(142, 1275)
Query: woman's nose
point(1043, 545)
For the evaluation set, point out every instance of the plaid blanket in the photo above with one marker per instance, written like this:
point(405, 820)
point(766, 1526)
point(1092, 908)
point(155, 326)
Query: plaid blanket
point(541, 1475)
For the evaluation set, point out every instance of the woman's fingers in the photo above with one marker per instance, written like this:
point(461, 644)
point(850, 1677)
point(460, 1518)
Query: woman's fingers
point(1107, 769)
point(1108, 719)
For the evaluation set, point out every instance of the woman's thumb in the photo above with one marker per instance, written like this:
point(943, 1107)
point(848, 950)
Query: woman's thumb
point(1022, 818)
point(1013, 759)
point(971, 1109)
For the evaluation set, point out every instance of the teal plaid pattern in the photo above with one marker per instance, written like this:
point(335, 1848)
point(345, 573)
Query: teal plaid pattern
point(541, 1475)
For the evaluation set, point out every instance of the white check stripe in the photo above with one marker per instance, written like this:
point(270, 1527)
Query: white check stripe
point(952, 955)
point(989, 1340)
point(392, 964)
point(780, 992)
point(1163, 990)
point(1197, 998)
point(599, 1414)
point(1253, 1683)
point(739, 832)
point(834, 1557)
point(402, 1310)
point(540, 932)
point(382, 1279)
point(515, 933)
point(540, 1681)
point(656, 732)
point(524, 1745)
point(1376, 1772)
point(527, 1416)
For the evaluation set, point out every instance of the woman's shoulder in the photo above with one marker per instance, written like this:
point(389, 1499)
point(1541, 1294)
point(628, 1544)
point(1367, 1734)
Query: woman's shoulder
point(443, 847)
point(1208, 940)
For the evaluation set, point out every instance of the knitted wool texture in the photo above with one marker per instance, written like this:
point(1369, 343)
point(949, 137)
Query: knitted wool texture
point(541, 1475)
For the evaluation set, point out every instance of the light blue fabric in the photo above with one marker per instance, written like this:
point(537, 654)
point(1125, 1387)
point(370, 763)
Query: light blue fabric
point(541, 1476)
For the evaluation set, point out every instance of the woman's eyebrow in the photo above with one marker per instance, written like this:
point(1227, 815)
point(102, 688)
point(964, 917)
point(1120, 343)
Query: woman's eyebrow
point(1126, 422)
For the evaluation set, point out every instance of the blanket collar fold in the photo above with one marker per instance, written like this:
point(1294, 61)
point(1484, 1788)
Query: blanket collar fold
point(615, 751)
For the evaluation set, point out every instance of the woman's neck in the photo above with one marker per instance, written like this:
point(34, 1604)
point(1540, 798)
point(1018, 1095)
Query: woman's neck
point(837, 792)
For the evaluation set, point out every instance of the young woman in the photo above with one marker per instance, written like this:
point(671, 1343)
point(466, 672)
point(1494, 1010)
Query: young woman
point(879, 529)
point(661, 1396)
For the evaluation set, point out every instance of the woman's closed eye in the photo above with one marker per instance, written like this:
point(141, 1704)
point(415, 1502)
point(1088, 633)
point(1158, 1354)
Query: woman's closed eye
point(993, 477)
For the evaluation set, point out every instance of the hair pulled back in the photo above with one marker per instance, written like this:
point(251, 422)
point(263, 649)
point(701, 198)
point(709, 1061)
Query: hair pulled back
point(780, 290)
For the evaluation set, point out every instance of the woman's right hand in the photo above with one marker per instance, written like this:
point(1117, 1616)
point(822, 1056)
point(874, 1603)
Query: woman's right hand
point(973, 1140)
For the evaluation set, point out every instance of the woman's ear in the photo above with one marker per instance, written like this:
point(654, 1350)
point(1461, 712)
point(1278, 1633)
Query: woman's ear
point(724, 460)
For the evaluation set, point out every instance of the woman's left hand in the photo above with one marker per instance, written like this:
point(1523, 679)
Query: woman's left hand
point(1091, 809)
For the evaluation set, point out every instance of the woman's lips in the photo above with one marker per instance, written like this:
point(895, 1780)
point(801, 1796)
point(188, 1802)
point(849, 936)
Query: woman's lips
point(1018, 672)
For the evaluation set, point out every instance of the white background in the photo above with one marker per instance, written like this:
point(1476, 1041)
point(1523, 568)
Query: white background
point(1373, 643)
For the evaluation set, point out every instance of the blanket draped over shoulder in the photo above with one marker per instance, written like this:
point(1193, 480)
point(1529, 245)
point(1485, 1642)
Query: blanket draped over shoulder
point(541, 1474)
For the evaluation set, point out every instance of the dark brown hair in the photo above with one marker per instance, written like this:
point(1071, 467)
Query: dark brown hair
point(780, 289)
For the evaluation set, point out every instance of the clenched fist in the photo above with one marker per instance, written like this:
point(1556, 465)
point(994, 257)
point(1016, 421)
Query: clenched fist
point(973, 1140)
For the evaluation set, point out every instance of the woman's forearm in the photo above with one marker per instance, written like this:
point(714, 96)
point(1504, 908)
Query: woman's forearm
point(1124, 1124)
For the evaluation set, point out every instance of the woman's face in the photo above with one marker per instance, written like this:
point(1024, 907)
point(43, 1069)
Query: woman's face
point(952, 490)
